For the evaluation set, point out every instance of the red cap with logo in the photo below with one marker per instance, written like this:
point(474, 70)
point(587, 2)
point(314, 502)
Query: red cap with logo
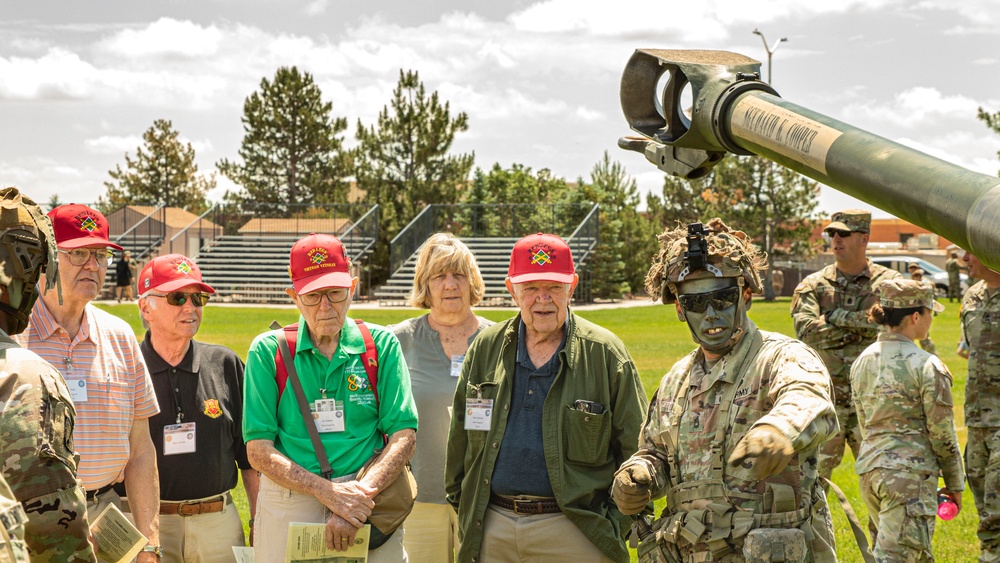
point(541, 257)
point(318, 262)
point(170, 273)
point(77, 225)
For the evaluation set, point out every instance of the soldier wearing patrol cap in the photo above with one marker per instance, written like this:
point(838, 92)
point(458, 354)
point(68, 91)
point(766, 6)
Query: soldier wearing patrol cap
point(830, 311)
point(36, 412)
point(732, 434)
point(905, 410)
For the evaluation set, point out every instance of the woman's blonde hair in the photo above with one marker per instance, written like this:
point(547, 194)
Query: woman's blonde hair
point(443, 253)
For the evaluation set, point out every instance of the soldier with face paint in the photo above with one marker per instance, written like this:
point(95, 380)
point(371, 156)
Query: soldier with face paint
point(732, 434)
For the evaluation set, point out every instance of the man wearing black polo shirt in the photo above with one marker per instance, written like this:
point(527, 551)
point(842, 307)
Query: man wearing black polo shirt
point(198, 434)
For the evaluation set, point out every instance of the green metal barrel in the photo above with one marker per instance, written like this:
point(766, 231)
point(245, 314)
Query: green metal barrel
point(732, 111)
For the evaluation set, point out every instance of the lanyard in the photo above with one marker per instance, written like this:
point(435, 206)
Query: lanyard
point(175, 392)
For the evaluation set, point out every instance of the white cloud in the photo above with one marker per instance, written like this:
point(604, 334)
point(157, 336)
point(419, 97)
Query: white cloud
point(58, 74)
point(165, 38)
point(113, 145)
point(316, 8)
point(912, 107)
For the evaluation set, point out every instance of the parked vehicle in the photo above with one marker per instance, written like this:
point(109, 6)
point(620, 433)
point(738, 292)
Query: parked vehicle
point(932, 273)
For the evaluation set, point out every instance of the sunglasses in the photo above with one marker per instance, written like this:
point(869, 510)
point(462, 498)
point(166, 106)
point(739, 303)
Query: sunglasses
point(719, 299)
point(838, 232)
point(313, 298)
point(80, 256)
point(178, 299)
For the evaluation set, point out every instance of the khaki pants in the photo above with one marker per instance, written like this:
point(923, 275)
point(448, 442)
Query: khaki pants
point(277, 507)
point(541, 538)
point(431, 533)
point(203, 538)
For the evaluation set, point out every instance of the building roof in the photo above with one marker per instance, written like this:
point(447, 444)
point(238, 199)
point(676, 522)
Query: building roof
point(293, 226)
point(175, 217)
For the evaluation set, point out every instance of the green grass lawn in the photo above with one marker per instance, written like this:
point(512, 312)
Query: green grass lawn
point(656, 339)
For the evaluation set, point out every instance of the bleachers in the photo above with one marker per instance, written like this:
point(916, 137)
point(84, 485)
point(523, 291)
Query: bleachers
point(253, 269)
point(140, 247)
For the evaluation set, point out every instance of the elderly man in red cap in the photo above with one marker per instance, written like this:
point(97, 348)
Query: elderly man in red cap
point(99, 357)
point(547, 406)
point(336, 360)
point(199, 433)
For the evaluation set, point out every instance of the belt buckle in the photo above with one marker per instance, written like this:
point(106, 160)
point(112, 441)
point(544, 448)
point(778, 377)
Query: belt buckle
point(181, 505)
point(536, 505)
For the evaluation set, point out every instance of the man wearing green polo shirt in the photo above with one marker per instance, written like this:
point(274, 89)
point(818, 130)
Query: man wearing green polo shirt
point(327, 359)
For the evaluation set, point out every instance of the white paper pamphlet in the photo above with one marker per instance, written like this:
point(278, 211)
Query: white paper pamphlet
point(307, 542)
point(118, 540)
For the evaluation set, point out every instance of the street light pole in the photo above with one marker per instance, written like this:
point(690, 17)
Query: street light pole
point(770, 50)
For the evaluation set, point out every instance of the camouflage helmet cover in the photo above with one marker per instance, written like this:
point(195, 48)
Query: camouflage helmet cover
point(27, 248)
point(731, 254)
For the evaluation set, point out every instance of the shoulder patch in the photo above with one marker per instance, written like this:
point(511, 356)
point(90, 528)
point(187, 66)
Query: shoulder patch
point(809, 362)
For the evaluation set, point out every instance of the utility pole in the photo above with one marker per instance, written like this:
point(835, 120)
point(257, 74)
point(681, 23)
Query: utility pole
point(770, 50)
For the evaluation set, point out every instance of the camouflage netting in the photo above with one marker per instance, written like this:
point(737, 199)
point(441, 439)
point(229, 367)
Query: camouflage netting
point(731, 254)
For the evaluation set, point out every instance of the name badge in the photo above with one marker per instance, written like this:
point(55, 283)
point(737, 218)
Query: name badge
point(179, 438)
point(456, 365)
point(478, 414)
point(328, 414)
point(77, 390)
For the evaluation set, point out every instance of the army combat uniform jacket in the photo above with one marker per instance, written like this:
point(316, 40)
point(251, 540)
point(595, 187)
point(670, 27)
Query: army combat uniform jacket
point(981, 331)
point(36, 438)
point(697, 418)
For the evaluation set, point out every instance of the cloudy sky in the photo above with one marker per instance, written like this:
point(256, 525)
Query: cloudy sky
point(80, 83)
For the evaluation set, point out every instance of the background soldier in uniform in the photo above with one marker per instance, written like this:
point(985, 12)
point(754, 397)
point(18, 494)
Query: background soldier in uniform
point(981, 332)
point(954, 268)
point(830, 311)
point(12, 519)
point(732, 435)
point(36, 413)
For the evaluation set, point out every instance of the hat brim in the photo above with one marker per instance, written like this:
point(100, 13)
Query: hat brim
point(174, 285)
point(323, 281)
point(841, 226)
point(543, 276)
point(938, 307)
point(87, 241)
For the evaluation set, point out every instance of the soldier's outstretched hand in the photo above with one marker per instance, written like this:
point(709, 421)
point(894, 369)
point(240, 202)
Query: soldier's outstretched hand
point(768, 449)
point(632, 486)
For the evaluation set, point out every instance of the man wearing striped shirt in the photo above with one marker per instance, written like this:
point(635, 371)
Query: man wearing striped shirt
point(99, 357)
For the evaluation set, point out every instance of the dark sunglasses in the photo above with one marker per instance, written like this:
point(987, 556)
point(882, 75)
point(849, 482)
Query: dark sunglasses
point(719, 299)
point(177, 299)
point(838, 232)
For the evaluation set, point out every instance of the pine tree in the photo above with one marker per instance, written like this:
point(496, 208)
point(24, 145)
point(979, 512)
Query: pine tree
point(291, 152)
point(992, 121)
point(163, 171)
point(403, 162)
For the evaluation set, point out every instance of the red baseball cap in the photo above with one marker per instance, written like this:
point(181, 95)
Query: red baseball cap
point(319, 262)
point(77, 225)
point(170, 273)
point(541, 257)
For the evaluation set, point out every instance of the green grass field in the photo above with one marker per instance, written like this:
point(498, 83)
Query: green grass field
point(656, 339)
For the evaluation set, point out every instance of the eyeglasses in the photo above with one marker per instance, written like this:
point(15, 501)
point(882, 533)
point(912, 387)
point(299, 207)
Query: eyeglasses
point(313, 298)
point(838, 232)
point(719, 299)
point(178, 299)
point(80, 256)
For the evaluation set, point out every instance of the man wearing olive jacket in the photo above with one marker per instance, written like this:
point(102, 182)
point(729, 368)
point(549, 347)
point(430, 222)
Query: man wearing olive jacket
point(547, 407)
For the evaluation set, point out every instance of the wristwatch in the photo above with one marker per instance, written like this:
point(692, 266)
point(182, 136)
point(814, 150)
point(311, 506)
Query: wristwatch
point(154, 549)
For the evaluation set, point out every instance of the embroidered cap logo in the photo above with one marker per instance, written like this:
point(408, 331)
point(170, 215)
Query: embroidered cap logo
point(318, 255)
point(542, 255)
point(89, 224)
point(183, 267)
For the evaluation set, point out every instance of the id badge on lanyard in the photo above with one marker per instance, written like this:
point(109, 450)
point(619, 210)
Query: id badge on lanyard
point(179, 438)
point(328, 414)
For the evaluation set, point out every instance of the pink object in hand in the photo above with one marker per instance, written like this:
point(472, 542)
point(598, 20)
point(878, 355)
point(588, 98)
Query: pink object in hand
point(946, 508)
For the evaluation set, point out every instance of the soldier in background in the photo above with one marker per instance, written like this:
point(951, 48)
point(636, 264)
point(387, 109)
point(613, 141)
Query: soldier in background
point(777, 282)
point(926, 344)
point(732, 435)
point(12, 520)
point(830, 311)
point(954, 268)
point(980, 318)
point(36, 412)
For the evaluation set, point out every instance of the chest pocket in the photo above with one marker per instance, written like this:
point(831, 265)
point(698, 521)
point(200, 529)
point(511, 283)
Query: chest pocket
point(587, 436)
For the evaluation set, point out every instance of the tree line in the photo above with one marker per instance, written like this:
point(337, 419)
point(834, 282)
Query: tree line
point(293, 152)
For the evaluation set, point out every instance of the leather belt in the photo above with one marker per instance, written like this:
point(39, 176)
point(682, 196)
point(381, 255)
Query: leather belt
point(525, 506)
point(193, 508)
point(92, 495)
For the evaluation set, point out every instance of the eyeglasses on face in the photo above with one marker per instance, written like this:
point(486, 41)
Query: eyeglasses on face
point(719, 299)
point(80, 256)
point(336, 295)
point(178, 299)
point(838, 232)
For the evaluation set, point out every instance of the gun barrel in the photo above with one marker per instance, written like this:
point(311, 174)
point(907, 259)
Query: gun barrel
point(734, 112)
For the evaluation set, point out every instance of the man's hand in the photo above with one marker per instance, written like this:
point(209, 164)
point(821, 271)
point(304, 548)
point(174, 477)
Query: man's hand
point(631, 489)
point(769, 449)
point(339, 533)
point(351, 501)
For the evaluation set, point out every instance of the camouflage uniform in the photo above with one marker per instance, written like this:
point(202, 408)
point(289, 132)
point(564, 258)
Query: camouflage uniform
point(981, 331)
point(830, 314)
point(905, 409)
point(693, 425)
point(954, 269)
point(36, 436)
point(12, 520)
